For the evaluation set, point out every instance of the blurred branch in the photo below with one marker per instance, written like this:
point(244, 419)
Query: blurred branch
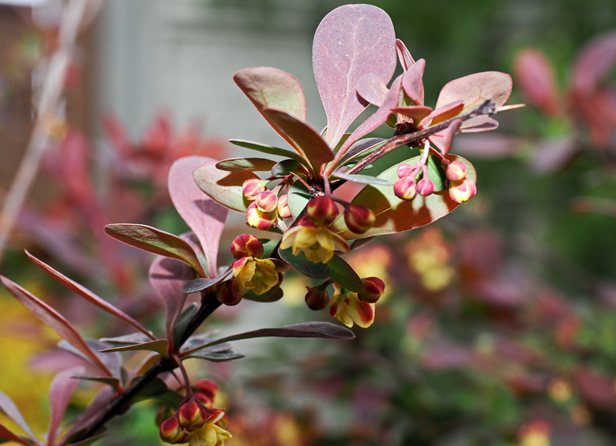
point(47, 111)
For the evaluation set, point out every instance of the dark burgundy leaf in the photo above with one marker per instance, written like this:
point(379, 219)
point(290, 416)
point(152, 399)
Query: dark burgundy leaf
point(351, 41)
point(6, 434)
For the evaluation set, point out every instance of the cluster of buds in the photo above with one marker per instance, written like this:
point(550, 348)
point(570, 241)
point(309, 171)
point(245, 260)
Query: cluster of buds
point(195, 424)
point(266, 206)
point(461, 189)
point(407, 187)
point(250, 271)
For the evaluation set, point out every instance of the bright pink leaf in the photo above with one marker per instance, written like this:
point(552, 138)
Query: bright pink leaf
point(54, 320)
point(89, 295)
point(412, 81)
point(351, 41)
point(535, 78)
point(61, 390)
point(306, 140)
point(10, 410)
point(404, 55)
point(168, 276)
point(204, 216)
point(473, 90)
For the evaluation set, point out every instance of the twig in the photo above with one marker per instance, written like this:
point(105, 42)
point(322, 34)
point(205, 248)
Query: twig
point(47, 110)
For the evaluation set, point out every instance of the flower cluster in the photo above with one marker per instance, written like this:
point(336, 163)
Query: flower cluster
point(407, 186)
point(356, 308)
point(196, 422)
point(266, 206)
point(461, 189)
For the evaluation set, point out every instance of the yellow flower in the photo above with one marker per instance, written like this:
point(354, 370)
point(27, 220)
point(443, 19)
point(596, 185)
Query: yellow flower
point(210, 434)
point(256, 275)
point(317, 242)
point(348, 308)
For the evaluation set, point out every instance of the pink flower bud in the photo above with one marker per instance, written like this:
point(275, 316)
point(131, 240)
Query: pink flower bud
point(171, 431)
point(246, 245)
point(404, 170)
point(207, 388)
point(358, 218)
point(322, 211)
point(267, 201)
point(226, 294)
point(316, 299)
point(283, 207)
point(258, 219)
point(425, 187)
point(405, 188)
point(456, 171)
point(463, 191)
point(373, 289)
point(252, 187)
point(192, 415)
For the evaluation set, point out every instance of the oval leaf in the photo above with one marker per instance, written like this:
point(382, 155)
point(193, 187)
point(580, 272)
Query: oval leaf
point(350, 42)
point(303, 265)
point(159, 346)
point(396, 215)
point(342, 273)
point(223, 187)
point(250, 164)
point(362, 179)
point(265, 298)
point(271, 150)
point(298, 197)
point(286, 167)
point(216, 356)
point(157, 242)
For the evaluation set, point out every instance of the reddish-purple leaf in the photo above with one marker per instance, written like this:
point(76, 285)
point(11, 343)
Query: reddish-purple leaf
point(404, 55)
point(93, 410)
point(593, 63)
point(553, 155)
point(204, 216)
point(415, 112)
point(473, 90)
point(61, 390)
point(372, 89)
point(351, 41)
point(54, 320)
point(306, 140)
point(272, 88)
point(535, 78)
point(89, 295)
point(159, 346)
point(168, 276)
point(412, 81)
point(157, 242)
point(377, 119)
point(487, 146)
point(10, 410)
point(223, 187)
point(443, 139)
point(6, 434)
point(444, 113)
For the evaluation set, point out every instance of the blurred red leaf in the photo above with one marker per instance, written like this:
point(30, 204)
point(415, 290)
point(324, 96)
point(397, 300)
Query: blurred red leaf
point(62, 388)
point(535, 77)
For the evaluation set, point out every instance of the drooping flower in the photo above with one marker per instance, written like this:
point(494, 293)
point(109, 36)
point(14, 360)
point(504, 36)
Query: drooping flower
point(348, 308)
point(256, 275)
point(317, 242)
point(210, 434)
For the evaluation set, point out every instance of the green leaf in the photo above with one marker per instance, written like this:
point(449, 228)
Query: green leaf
point(200, 284)
point(156, 241)
point(298, 197)
point(342, 273)
point(361, 148)
point(436, 173)
point(396, 215)
point(129, 339)
point(286, 167)
point(362, 179)
point(303, 265)
point(154, 388)
point(216, 356)
point(182, 323)
point(271, 150)
point(268, 246)
point(159, 346)
point(112, 382)
point(249, 164)
point(223, 187)
point(266, 298)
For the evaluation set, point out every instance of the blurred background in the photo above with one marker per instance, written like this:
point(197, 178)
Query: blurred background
point(499, 324)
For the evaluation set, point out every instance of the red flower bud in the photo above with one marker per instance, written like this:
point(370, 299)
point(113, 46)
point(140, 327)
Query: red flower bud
point(258, 219)
point(404, 170)
point(405, 188)
point(358, 218)
point(316, 299)
point(267, 201)
point(171, 431)
point(229, 294)
point(283, 207)
point(373, 289)
point(192, 415)
point(425, 187)
point(207, 388)
point(322, 211)
point(456, 171)
point(463, 191)
point(252, 187)
point(246, 245)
